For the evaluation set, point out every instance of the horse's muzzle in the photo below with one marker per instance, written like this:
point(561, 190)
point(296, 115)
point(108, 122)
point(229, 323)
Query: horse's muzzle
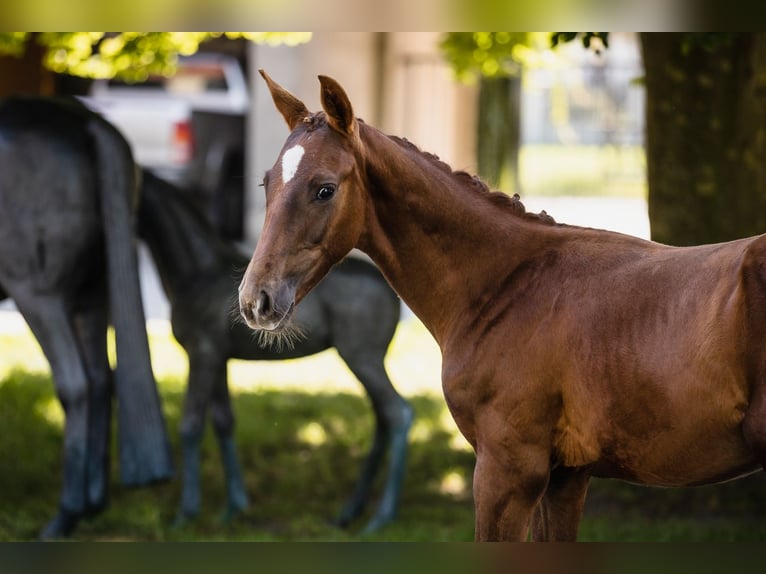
point(267, 309)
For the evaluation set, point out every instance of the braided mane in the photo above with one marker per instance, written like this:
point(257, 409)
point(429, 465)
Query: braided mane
point(474, 182)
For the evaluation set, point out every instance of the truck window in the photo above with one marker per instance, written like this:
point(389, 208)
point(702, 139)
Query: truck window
point(189, 80)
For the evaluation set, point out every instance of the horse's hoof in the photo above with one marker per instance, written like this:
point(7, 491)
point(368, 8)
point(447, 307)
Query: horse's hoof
point(182, 519)
point(375, 524)
point(96, 508)
point(230, 514)
point(343, 521)
point(61, 526)
point(350, 512)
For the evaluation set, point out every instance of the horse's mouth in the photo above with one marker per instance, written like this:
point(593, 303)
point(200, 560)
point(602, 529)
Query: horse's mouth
point(271, 321)
point(276, 322)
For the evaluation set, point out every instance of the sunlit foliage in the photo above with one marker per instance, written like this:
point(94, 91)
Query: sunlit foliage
point(12, 42)
point(484, 53)
point(131, 56)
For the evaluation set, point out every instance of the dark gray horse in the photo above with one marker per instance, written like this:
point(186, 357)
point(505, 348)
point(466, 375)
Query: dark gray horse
point(67, 258)
point(353, 310)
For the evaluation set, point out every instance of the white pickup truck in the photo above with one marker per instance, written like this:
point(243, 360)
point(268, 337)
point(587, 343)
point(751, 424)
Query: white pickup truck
point(188, 128)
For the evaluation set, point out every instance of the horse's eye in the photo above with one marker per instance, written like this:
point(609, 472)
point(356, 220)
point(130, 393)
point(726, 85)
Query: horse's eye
point(324, 192)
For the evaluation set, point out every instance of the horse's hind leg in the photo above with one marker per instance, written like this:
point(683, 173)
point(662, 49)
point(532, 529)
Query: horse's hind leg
point(90, 323)
point(48, 318)
point(557, 517)
point(393, 420)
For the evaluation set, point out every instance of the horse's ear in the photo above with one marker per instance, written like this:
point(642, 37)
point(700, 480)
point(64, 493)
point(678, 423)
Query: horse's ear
point(335, 102)
point(292, 109)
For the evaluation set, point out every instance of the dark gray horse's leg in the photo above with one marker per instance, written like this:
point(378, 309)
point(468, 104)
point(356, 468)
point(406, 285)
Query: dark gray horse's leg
point(393, 420)
point(207, 376)
point(47, 317)
point(223, 423)
point(198, 392)
point(90, 322)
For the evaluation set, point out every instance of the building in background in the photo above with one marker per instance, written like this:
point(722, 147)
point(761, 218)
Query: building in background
point(397, 81)
point(576, 104)
point(581, 114)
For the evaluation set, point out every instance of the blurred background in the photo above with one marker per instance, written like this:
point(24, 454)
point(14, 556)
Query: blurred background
point(654, 135)
point(562, 127)
point(530, 119)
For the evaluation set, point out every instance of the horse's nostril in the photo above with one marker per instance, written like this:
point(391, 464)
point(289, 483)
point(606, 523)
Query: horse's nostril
point(247, 311)
point(263, 304)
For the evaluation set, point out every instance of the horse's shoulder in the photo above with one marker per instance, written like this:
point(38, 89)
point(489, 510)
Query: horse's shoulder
point(756, 246)
point(754, 261)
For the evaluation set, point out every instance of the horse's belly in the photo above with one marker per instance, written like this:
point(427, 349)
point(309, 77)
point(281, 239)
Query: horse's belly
point(692, 455)
point(49, 213)
point(45, 250)
point(663, 411)
point(704, 471)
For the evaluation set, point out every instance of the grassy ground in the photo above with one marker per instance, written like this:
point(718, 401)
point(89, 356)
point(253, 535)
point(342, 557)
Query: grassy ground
point(303, 428)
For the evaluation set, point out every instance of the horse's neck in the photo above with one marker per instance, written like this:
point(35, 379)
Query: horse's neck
point(443, 247)
point(184, 247)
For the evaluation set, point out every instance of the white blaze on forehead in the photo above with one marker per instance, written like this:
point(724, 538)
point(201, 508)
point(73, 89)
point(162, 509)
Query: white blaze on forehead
point(291, 159)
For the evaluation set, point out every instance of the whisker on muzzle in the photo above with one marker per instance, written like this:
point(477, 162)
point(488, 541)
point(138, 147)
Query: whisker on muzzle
point(280, 339)
point(235, 314)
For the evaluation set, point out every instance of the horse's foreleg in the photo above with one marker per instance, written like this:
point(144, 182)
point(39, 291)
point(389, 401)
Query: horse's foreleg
point(198, 392)
point(393, 420)
point(508, 484)
point(203, 371)
point(223, 423)
point(47, 317)
point(557, 517)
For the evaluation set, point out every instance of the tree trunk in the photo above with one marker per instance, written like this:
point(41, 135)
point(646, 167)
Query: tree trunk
point(705, 137)
point(25, 74)
point(498, 140)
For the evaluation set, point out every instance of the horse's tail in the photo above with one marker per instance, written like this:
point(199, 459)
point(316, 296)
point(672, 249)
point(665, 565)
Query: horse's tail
point(143, 443)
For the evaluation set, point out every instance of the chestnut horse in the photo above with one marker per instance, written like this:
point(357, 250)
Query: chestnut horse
point(567, 352)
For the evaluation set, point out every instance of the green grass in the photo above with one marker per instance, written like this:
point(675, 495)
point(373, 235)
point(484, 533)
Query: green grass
point(601, 171)
point(303, 428)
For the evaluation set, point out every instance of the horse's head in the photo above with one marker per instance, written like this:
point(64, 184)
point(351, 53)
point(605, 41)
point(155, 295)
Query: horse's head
point(314, 206)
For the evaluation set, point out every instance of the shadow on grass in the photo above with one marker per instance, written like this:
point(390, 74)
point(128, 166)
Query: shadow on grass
point(300, 454)
point(731, 511)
